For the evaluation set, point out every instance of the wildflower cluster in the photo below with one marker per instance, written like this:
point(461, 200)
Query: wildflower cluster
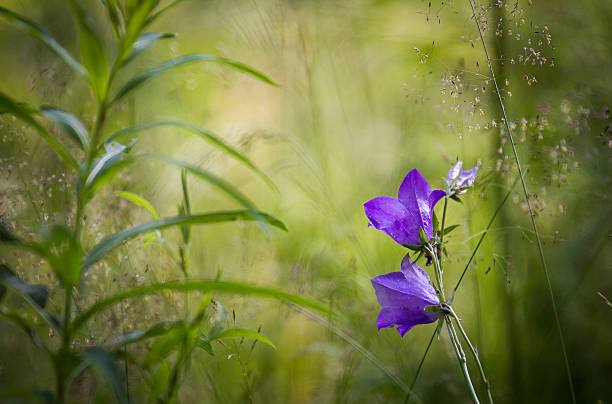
point(408, 297)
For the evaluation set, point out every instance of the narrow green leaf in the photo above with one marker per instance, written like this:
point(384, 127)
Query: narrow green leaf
point(204, 134)
point(35, 296)
point(115, 16)
point(140, 201)
point(435, 222)
point(149, 74)
point(104, 363)
point(32, 29)
point(24, 326)
point(450, 228)
point(134, 336)
point(69, 124)
point(185, 188)
point(242, 333)
point(198, 172)
point(116, 239)
point(93, 53)
point(115, 160)
point(422, 236)
point(455, 198)
point(201, 286)
point(156, 15)
point(160, 382)
point(185, 208)
point(6, 237)
point(38, 294)
point(25, 113)
point(144, 42)
point(63, 253)
point(111, 157)
point(135, 25)
point(205, 344)
point(164, 346)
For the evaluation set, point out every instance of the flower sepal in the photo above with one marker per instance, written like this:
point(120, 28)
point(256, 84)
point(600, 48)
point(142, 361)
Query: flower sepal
point(455, 198)
point(434, 308)
point(414, 247)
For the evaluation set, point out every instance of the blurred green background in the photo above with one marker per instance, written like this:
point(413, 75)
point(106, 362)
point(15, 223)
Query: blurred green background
point(369, 90)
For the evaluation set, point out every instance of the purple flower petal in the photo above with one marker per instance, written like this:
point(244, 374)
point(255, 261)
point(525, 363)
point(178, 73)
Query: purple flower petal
point(467, 178)
point(419, 280)
point(391, 216)
point(434, 197)
point(414, 194)
point(454, 172)
point(404, 296)
point(404, 317)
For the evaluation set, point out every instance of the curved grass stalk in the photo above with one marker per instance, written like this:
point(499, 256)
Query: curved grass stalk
point(531, 212)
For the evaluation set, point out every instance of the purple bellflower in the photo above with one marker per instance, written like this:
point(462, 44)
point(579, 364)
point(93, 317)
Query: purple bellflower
point(402, 218)
point(458, 181)
point(404, 296)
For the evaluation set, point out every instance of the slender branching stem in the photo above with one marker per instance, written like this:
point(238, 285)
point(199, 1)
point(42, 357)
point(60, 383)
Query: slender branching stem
point(461, 358)
point(474, 353)
point(529, 207)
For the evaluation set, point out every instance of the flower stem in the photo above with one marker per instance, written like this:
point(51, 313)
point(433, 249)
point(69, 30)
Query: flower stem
point(531, 212)
point(461, 358)
point(442, 234)
point(474, 352)
point(438, 271)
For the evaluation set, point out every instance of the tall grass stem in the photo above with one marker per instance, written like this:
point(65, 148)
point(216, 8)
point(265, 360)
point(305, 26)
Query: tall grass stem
point(530, 208)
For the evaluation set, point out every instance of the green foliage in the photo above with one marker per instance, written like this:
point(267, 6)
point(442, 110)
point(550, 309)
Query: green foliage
point(241, 333)
point(152, 73)
point(32, 29)
point(69, 124)
point(104, 363)
point(93, 54)
point(26, 113)
point(202, 133)
point(63, 246)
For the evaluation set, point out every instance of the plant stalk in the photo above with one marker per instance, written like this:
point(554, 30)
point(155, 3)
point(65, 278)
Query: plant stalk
point(530, 208)
point(461, 358)
point(474, 353)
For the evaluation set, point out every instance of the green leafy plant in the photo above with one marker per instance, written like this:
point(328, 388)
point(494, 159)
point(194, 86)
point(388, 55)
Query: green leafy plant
point(97, 157)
